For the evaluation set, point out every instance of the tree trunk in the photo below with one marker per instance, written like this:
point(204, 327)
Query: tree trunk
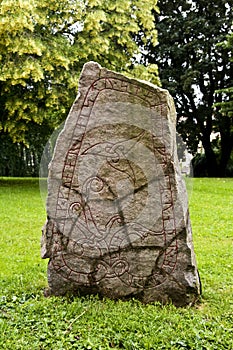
point(211, 161)
point(226, 149)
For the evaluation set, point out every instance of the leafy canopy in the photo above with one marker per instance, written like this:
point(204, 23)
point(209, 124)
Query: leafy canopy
point(226, 106)
point(44, 44)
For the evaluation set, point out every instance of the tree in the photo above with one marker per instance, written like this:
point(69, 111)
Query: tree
point(193, 66)
point(43, 46)
point(44, 43)
point(226, 109)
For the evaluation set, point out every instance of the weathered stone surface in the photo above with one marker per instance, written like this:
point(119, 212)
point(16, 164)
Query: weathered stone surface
point(118, 221)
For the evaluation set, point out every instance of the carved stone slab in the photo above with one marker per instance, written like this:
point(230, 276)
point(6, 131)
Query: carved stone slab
point(118, 221)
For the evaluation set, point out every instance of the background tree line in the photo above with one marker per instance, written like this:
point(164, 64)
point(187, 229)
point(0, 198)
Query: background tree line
point(44, 44)
point(195, 64)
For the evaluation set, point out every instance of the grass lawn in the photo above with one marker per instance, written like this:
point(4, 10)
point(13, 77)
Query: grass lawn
point(28, 320)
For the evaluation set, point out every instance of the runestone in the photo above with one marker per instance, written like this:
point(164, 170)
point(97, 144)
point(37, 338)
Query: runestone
point(117, 209)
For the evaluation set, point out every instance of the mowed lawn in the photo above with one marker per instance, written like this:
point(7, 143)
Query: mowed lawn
point(28, 320)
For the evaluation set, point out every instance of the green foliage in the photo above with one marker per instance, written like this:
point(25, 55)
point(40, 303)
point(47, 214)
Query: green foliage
point(44, 44)
point(226, 106)
point(18, 159)
point(30, 321)
point(199, 166)
point(192, 67)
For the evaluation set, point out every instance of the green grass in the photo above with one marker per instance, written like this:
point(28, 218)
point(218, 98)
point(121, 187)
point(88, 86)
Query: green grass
point(28, 320)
